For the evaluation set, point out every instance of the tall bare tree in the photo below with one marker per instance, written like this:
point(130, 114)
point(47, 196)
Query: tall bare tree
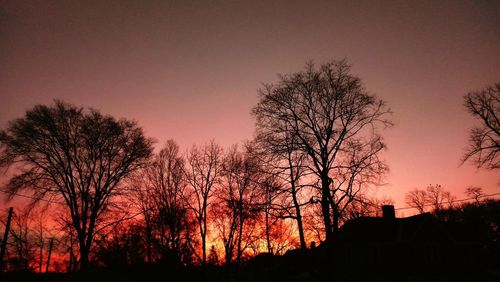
point(484, 140)
point(285, 164)
point(203, 172)
point(74, 155)
point(166, 178)
point(322, 108)
point(239, 202)
point(159, 192)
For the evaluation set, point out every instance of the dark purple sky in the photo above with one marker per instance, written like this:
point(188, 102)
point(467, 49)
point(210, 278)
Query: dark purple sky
point(189, 70)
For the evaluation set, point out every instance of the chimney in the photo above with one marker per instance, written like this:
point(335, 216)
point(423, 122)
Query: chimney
point(388, 212)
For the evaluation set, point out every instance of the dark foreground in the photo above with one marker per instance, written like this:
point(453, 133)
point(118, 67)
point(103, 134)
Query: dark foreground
point(294, 266)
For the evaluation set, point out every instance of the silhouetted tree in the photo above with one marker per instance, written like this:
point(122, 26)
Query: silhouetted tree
point(166, 180)
point(286, 165)
point(417, 199)
point(239, 198)
point(143, 198)
point(359, 167)
point(434, 197)
point(122, 247)
point(74, 155)
point(474, 192)
point(22, 243)
point(203, 172)
point(438, 198)
point(277, 230)
point(159, 192)
point(323, 109)
point(484, 140)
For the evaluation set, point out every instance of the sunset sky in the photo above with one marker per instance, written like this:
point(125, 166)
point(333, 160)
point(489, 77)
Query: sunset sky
point(189, 70)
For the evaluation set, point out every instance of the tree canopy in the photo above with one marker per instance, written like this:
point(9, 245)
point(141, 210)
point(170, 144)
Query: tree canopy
point(74, 155)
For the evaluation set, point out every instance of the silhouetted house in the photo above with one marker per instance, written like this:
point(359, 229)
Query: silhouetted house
point(416, 248)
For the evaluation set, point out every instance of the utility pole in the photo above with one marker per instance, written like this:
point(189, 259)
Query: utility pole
point(5, 237)
point(48, 257)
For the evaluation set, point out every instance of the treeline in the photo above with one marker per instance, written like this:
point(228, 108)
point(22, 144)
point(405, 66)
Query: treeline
point(207, 205)
point(312, 165)
point(316, 153)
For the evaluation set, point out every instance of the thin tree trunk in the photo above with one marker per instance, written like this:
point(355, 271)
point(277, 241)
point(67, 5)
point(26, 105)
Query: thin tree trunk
point(204, 241)
point(48, 256)
point(148, 241)
point(298, 216)
point(5, 237)
point(268, 235)
point(40, 264)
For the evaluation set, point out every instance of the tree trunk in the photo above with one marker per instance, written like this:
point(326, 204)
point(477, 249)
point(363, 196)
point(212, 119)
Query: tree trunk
point(336, 219)
point(47, 267)
point(204, 241)
point(325, 206)
point(84, 252)
point(298, 216)
point(5, 237)
point(268, 235)
point(148, 241)
point(84, 258)
point(40, 263)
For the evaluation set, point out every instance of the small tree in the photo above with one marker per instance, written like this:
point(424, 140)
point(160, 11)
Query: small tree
point(417, 199)
point(76, 156)
point(438, 198)
point(475, 192)
point(434, 196)
point(484, 140)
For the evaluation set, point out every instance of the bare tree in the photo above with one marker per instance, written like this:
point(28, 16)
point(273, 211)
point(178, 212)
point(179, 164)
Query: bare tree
point(144, 200)
point(203, 172)
point(358, 168)
point(322, 108)
point(475, 192)
point(438, 198)
point(167, 180)
point(484, 140)
point(417, 198)
point(286, 165)
point(434, 196)
point(159, 192)
point(22, 242)
point(74, 155)
point(239, 202)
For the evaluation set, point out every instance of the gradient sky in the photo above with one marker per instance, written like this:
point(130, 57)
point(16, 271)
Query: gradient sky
point(189, 70)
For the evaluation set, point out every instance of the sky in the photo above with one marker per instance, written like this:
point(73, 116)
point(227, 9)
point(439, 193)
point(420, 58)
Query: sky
point(190, 70)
